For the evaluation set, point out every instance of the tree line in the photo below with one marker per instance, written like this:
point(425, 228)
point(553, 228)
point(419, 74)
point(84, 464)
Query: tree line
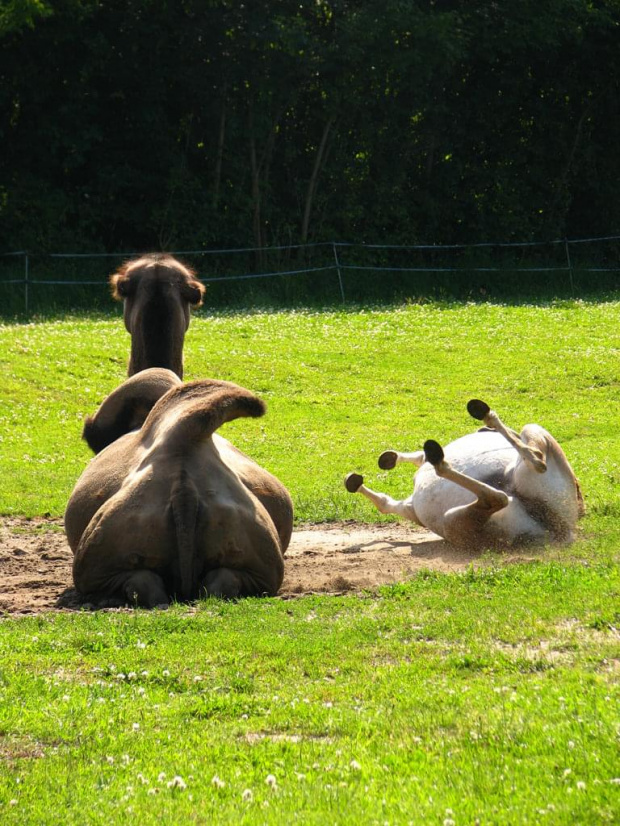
point(144, 124)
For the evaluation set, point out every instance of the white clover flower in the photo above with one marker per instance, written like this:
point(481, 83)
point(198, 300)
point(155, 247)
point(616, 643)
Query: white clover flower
point(217, 782)
point(140, 644)
point(165, 673)
point(177, 782)
point(270, 780)
point(141, 690)
point(355, 766)
point(247, 795)
point(110, 759)
point(153, 791)
point(581, 785)
point(131, 675)
point(136, 726)
point(571, 744)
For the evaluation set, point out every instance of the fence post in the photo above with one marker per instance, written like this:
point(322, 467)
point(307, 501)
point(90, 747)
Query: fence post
point(26, 282)
point(570, 268)
point(338, 271)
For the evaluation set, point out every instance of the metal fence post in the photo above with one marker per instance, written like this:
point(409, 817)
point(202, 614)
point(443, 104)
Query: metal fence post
point(570, 268)
point(26, 282)
point(338, 271)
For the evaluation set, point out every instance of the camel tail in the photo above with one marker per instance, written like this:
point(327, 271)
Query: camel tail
point(185, 505)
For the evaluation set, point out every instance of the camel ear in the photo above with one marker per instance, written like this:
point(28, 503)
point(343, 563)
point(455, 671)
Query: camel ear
point(122, 286)
point(193, 292)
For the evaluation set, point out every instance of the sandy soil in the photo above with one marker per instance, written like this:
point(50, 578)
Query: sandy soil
point(35, 561)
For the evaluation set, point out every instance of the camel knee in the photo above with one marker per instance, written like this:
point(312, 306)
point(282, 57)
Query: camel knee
point(223, 583)
point(464, 526)
point(145, 588)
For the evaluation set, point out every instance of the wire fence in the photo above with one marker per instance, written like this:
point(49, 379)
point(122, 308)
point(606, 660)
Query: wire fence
point(347, 266)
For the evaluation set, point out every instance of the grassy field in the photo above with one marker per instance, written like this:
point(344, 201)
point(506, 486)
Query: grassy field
point(488, 697)
point(340, 387)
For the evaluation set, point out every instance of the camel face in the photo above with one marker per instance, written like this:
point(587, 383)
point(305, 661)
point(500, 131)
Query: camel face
point(173, 509)
point(491, 488)
point(157, 292)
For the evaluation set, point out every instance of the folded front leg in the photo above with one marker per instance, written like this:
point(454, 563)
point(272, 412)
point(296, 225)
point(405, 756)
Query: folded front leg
point(489, 499)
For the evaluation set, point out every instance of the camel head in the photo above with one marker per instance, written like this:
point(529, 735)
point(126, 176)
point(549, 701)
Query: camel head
point(157, 292)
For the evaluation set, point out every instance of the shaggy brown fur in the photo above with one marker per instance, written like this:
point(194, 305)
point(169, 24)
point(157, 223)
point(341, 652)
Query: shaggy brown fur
point(173, 509)
point(157, 292)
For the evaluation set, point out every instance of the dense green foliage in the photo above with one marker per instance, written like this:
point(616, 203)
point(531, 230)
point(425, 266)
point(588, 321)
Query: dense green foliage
point(134, 125)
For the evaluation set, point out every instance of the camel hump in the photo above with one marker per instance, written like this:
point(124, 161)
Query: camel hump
point(126, 408)
point(194, 411)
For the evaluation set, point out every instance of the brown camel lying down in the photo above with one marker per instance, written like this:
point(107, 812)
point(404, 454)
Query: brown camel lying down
point(157, 292)
point(173, 509)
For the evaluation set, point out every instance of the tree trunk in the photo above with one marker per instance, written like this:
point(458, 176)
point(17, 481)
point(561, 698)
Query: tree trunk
point(220, 154)
point(314, 177)
point(255, 186)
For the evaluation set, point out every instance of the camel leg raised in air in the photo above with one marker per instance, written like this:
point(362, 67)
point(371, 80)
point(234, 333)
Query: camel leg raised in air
point(390, 458)
point(533, 451)
point(354, 483)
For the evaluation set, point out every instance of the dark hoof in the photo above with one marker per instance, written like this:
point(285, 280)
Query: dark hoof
point(353, 482)
point(478, 409)
point(433, 452)
point(387, 460)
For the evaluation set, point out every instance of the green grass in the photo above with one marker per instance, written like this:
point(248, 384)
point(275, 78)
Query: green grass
point(490, 696)
point(341, 386)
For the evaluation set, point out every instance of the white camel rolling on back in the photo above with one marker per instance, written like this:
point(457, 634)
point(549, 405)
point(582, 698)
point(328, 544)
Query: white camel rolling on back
point(493, 488)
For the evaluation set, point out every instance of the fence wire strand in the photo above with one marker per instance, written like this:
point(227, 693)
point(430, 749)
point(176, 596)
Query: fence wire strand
point(338, 266)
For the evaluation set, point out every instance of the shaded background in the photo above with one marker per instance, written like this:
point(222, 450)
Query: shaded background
point(142, 125)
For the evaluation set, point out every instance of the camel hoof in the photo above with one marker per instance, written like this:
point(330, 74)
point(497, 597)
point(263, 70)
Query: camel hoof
point(433, 452)
point(478, 409)
point(353, 482)
point(387, 460)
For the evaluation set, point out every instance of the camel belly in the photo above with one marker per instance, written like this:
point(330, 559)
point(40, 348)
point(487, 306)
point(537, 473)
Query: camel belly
point(485, 456)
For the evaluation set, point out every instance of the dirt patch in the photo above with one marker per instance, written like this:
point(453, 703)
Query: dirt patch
point(35, 561)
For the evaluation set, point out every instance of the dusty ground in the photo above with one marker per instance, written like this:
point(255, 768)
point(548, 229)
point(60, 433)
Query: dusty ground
point(35, 561)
